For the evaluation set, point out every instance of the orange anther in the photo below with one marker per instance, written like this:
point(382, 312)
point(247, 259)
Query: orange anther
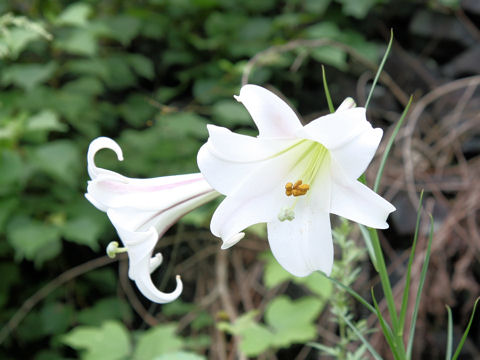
point(297, 184)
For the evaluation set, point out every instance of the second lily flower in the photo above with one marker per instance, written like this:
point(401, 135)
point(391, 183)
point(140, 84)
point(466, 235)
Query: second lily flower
point(292, 177)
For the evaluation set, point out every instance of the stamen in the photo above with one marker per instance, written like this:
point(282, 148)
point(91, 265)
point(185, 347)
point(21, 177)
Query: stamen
point(297, 189)
point(113, 249)
point(286, 214)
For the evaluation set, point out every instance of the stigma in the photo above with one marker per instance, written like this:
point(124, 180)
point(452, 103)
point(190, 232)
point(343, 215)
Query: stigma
point(297, 189)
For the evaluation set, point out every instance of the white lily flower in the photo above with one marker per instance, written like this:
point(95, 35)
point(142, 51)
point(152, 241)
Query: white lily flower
point(142, 210)
point(292, 177)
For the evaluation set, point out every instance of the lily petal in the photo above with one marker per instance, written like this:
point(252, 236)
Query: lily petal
point(272, 115)
point(337, 129)
point(355, 201)
point(233, 215)
point(140, 246)
point(146, 194)
point(355, 156)
point(303, 245)
point(99, 144)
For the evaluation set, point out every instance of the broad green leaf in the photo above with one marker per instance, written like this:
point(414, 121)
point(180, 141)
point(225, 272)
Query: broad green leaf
point(76, 15)
point(137, 111)
point(292, 321)
point(56, 318)
point(180, 355)
point(358, 8)
point(11, 170)
point(103, 310)
point(230, 113)
point(157, 341)
point(83, 230)
point(256, 340)
point(45, 121)
point(107, 342)
point(78, 42)
point(241, 324)
point(123, 28)
point(59, 159)
point(33, 240)
point(17, 40)
point(142, 65)
point(27, 76)
point(275, 274)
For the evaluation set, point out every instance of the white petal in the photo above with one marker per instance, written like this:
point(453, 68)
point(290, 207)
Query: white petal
point(146, 194)
point(97, 145)
point(355, 156)
point(272, 115)
point(337, 129)
point(140, 246)
point(304, 244)
point(346, 104)
point(355, 201)
point(234, 214)
point(242, 148)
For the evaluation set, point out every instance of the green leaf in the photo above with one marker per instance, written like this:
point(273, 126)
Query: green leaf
point(103, 310)
point(123, 28)
point(83, 230)
point(358, 8)
point(33, 240)
point(45, 121)
point(17, 40)
point(75, 15)
point(59, 159)
point(142, 65)
point(27, 76)
point(137, 111)
point(292, 321)
point(107, 342)
point(181, 355)
point(256, 340)
point(56, 318)
point(330, 55)
point(156, 341)
point(230, 113)
point(78, 42)
point(327, 92)
point(467, 330)
point(11, 170)
point(380, 68)
point(418, 296)
point(448, 351)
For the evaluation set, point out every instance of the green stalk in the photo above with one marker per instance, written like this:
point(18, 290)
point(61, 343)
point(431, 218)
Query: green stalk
point(423, 275)
point(380, 68)
point(448, 352)
point(406, 290)
point(390, 144)
point(465, 334)
point(327, 92)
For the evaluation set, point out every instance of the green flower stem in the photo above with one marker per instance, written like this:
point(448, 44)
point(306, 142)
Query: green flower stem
point(384, 279)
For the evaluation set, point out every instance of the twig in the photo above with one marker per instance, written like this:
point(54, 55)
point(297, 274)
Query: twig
point(66, 276)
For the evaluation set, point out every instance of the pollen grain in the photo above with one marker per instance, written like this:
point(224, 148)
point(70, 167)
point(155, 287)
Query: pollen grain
point(297, 189)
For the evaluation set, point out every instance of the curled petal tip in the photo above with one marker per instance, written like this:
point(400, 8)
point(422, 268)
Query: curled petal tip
point(237, 97)
point(346, 104)
point(232, 240)
point(99, 144)
point(155, 262)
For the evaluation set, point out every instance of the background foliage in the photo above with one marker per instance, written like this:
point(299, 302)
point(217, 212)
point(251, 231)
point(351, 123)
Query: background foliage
point(151, 74)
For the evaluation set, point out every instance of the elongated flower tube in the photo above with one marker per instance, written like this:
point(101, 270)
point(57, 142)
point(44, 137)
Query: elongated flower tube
point(292, 177)
point(142, 210)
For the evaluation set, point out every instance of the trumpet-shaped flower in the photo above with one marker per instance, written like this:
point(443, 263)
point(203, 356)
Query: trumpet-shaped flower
point(292, 177)
point(142, 210)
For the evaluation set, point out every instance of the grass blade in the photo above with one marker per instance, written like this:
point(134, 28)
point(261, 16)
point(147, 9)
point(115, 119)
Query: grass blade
point(406, 290)
point(380, 68)
point(368, 244)
point(387, 332)
point(419, 291)
point(327, 92)
point(465, 334)
point(448, 352)
point(361, 337)
point(390, 144)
